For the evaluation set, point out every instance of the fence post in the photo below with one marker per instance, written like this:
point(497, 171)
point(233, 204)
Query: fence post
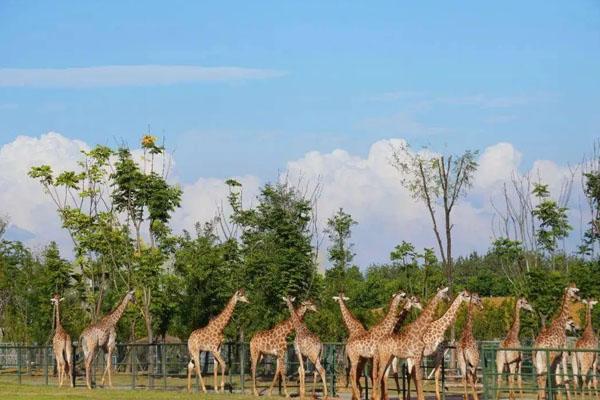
point(549, 389)
point(333, 369)
point(443, 388)
point(163, 361)
point(229, 347)
point(364, 371)
point(133, 367)
point(46, 364)
point(73, 369)
point(19, 364)
point(242, 366)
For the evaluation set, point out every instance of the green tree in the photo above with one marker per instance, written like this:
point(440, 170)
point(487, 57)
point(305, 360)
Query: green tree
point(339, 231)
point(552, 219)
point(438, 181)
point(275, 250)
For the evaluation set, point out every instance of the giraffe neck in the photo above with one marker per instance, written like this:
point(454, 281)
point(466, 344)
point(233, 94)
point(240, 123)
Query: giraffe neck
point(298, 326)
point(288, 325)
point(450, 316)
point(426, 316)
point(513, 333)
point(57, 323)
point(115, 315)
point(352, 324)
point(588, 332)
point(221, 320)
point(561, 320)
point(389, 322)
point(468, 331)
point(401, 319)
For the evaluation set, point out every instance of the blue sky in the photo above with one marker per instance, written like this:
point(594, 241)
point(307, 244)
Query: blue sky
point(461, 75)
point(252, 88)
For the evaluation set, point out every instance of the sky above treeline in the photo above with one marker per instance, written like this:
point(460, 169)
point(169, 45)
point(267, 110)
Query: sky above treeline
point(251, 89)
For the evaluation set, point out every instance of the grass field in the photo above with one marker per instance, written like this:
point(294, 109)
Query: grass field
point(13, 391)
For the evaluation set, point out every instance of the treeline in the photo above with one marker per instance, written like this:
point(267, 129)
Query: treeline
point(117, 211)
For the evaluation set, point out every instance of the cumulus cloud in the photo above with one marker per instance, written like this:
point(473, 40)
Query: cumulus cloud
point(367, 187)
point(21, 198)
point(127, 75)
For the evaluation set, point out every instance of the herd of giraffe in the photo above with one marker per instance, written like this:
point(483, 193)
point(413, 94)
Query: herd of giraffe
point(384, 344)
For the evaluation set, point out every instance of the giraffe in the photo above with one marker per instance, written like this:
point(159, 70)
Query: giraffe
point(412, 343)
point(306, 344)
point(61, 344)
point(585, 363)
point(273, 341)
point(417, 327)
point(468, 353)
point(353, 325)
point(354, 328)
point(511, 359)
point(103, 335)
point(365, 345)
point(554, 336)
point(210, 338)
point(435, 345)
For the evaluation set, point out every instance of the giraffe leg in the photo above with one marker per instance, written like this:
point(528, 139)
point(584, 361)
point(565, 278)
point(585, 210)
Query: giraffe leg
point(283, 372)
point(68, 358)
point(300, 371)
point(59, 370)
point(354, 361)
point(88, 367)
point(499, 371)
point(277, 373)
point(462, 364)
point(564, 360)
point(254, 355)
point(473, 383)
point(219, 358)
point(512, 371)
point(321, 371)
point(595, 375)
point(417, 378)
point(195, 364)
point(437, 366)
point(359, 372)
point(520, 378)
point(106, 362)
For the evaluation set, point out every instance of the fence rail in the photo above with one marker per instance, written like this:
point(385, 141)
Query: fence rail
point(164, 367)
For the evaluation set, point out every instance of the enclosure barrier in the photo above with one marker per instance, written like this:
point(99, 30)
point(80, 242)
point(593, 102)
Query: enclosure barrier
point(554, 378)
point(164, 367)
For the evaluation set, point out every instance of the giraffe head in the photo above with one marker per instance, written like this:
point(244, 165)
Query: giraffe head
point(413, 301)
point(55, 299)
point(570, 325)
point(240, 295)
point(572, 292)
point(590, 303)
point(476, 301)
point(463, 296)
point(442, 294)
point(310, 306)
point(130, 296)
point(524, 304)
point(340, 297)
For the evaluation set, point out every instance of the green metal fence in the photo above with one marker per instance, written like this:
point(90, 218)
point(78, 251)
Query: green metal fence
point(541, 372)
point(164, 367)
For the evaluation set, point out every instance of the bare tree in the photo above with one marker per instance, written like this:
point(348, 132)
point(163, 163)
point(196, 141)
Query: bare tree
point(438, 181)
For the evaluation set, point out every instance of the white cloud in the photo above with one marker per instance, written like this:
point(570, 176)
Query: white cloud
point(22, 198)
point(127, 75)
point(497, 163)
point(366, 187)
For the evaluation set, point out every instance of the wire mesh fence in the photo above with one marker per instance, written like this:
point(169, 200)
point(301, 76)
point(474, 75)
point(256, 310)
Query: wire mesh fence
point(539, 373)
point(163, 366)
